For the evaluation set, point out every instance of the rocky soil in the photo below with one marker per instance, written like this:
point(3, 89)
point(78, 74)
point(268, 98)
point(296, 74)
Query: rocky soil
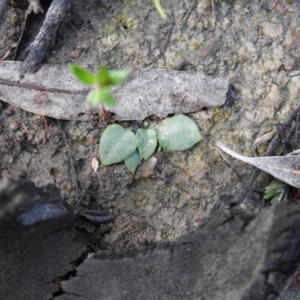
point(253, 43)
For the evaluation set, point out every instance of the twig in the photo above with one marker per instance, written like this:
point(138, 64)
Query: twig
point(72, 165)
point(41, 88)
point(213, 12)
point(6, 54)
point(164, 48)
point(287, 122)
point(239, 198)
point(165, 45)
point(296, 130)
point(38, 49)
point(83, 194)
point(285, 197)
point(188, 14)
point(46, 128)
point(275, 4)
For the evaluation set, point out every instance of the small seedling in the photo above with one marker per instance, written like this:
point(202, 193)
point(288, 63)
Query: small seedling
point(102, 81)
point(275, 191)
point(119, 144)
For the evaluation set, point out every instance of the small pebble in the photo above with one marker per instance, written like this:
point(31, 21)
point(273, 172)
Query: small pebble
point(9, 112)
point(74, 54)
point(290, 62)
point(97, 216)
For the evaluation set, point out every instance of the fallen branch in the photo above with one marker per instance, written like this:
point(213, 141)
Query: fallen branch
point(72, 164)
point(38, 49)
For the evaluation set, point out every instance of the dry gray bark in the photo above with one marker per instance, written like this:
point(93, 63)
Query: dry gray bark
point(228, 258)
point(32, 257)
point(3, 7)
point(235, 255)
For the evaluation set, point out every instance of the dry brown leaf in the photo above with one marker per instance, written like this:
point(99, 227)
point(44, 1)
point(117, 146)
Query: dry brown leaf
point(53, 91)
point(284, 168)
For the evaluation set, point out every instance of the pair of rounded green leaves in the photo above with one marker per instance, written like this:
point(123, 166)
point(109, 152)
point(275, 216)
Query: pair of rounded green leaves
point(173, 134)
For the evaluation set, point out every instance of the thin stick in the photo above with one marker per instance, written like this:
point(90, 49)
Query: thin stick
point(213, 12)
point(296, 130)
point(72, 165)
point(167, 40)
point(287, 122)
point(188, 14)
point(285, 195)
point(83, 194)
point(41, 88)
point(4, 56)
point(46, 128)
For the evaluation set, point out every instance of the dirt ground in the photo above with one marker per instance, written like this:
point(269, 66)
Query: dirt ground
point(253, 43)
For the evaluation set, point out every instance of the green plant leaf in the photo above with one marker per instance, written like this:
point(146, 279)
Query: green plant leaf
point(94, 98)
point(146, 141)
point(106, 96)
point(102, 77)
point(132, 162)
point(159, 8)
point(178, 133)
point(275, 191)
point(116, 144)
point(82, 74)
point(117, 77)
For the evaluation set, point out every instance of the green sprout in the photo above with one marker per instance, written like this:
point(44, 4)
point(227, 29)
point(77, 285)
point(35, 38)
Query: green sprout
point(159, 8)
point(119, 144)
point(275, 191)
point(102, 81)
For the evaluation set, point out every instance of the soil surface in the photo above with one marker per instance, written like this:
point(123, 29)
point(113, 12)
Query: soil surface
point(253, 43)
